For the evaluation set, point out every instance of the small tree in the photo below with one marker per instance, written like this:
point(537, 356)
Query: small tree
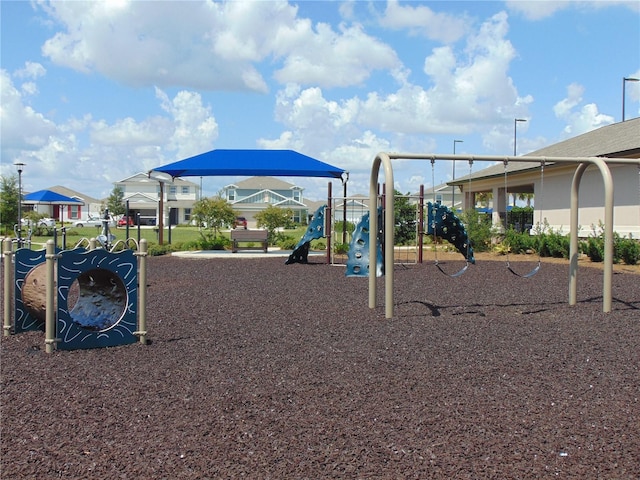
point(213, 213)
point(405, 214)
point(115, 201)
point(9, 196)
point(272, 218)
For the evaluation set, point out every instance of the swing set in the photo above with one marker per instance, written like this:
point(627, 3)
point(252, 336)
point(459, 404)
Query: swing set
point(434, 225)
point(384, 159)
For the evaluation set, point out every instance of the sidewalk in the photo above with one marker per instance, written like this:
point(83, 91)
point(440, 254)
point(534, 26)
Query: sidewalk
point(272, 252)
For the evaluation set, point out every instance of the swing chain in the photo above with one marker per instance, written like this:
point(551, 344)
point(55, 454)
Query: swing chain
point(506, 214)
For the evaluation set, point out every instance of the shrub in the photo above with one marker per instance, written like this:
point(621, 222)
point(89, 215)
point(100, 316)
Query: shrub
point(341, 248)
point(516, 242)
point(629, 250)
point(155, 250)
point(479, 229)
point(554, 244)
point(215, 243)
point(318, 245)
point(595, 249)
point(623, 248)
point(287, 243)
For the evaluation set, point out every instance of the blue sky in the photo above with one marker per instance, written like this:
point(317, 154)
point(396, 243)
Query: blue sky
point(93, 92)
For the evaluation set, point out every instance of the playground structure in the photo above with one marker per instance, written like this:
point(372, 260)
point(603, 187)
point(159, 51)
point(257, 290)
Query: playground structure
point(441, 222)
point(431, 219)
point(82, 298)
point(315, 230)
point(384, 159)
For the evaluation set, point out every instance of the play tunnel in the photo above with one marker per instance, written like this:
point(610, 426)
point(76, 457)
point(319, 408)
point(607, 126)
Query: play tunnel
point(95, 302)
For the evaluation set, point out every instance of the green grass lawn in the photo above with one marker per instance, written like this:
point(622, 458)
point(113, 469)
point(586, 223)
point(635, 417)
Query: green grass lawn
point(179, 235)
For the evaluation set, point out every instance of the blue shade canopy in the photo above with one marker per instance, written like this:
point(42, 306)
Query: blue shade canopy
point(49, 197)
point(259, 163)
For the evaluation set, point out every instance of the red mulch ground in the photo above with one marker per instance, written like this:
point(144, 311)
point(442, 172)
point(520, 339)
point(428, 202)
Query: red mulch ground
point(266, 371)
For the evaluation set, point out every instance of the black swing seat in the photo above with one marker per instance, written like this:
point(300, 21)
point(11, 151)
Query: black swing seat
point(453, 275)
point(527, 275)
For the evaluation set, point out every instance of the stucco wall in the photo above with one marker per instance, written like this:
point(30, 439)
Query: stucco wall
point(555, 201)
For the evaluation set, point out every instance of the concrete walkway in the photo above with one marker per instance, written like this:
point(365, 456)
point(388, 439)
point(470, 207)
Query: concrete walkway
point(272, 252)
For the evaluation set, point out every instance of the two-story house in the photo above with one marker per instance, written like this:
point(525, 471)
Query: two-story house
point(147, 195)
point(255, 194)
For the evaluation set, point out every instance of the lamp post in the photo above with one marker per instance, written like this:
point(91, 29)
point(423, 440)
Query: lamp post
point(515, 134)
point(453, 188)
point(20, 168)
point(624, 85)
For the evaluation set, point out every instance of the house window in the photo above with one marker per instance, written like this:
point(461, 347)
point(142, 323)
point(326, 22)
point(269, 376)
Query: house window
point(231, 195)
point(185, 190)
point(438, 198)
point(173, 190)
point(296, 195)
point(187, 215)
point(74, 212)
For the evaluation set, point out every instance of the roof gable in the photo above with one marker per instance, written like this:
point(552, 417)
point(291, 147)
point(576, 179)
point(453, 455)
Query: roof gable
point(140, 197)
point(74, 194)
point(144, 178)
point(264, 183)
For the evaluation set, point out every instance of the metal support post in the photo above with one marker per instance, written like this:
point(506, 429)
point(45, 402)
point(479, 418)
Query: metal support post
point(142, 292)
point(7, 250)
point(50, 313)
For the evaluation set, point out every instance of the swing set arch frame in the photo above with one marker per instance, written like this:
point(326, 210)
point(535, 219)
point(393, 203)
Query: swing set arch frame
point(384, 160)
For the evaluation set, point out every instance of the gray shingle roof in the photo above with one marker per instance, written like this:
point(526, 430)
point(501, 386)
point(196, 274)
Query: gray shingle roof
point(619, 140)
point(260, 183)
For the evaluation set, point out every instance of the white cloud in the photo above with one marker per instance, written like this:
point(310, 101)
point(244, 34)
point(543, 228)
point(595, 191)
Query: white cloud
point(536, 9)
point(129, 132)
point(468, 91)
point(579, 120)
point(563, 108)
point(195, 129)
point(210, 46)
point(21, 126)
point(422, 20)
point(96, 152)
point(31, 70)
point(29, 88)
point(148, 43)
point(329, 58)
point(540, 9)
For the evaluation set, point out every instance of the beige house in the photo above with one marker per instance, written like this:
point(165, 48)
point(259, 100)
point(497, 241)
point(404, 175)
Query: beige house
point(158, 195)
point(551, 185)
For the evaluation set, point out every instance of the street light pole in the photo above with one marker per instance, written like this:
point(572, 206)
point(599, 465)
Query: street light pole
point(453, 188)
point(624, 86)
point(20, 168)
point(515, 134)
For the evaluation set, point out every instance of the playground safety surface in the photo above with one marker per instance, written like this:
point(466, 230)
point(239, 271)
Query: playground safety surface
point(261, 370)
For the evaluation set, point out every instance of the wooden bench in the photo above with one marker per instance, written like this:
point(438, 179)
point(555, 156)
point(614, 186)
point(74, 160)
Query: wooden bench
point(249, 236)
